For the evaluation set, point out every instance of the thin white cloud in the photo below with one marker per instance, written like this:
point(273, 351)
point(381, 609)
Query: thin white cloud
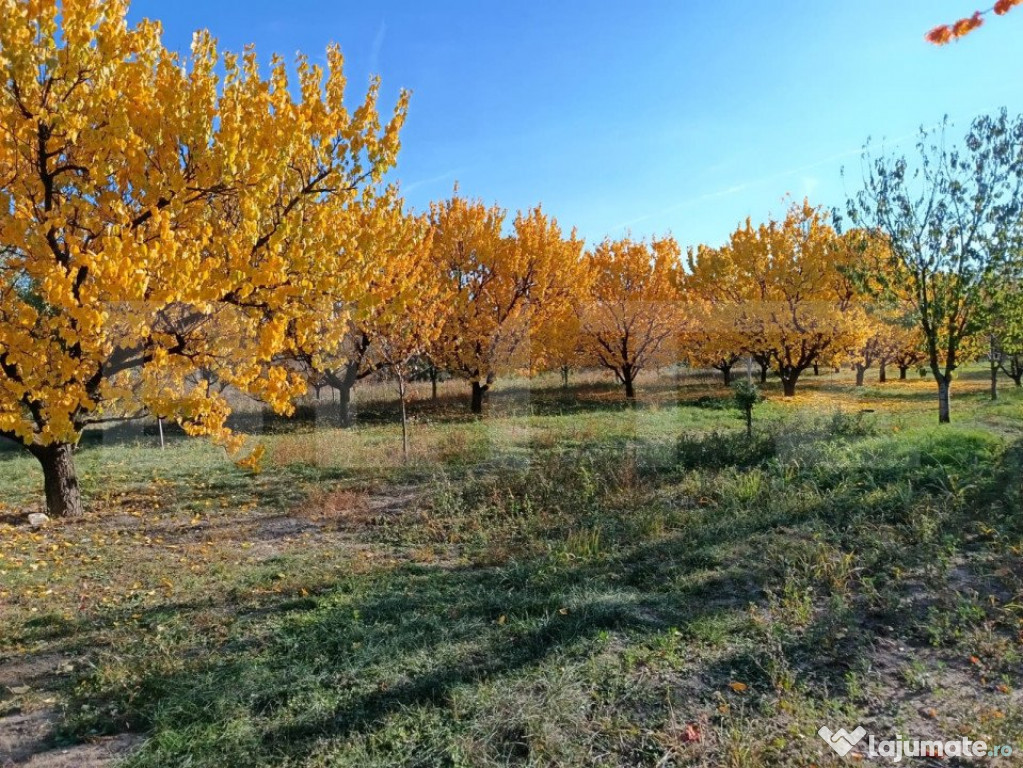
point(684, 204)
point(378, 45)
point(406, 188)
point(810, 182)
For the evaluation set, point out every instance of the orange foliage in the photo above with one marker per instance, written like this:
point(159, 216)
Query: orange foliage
point(946, 33)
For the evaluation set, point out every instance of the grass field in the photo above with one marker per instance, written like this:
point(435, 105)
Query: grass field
point(569, 582)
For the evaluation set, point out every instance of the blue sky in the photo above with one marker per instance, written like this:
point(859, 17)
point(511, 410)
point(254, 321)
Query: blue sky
point(681, 116)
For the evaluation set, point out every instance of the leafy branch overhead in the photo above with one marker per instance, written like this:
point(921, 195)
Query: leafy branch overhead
point(946, 33)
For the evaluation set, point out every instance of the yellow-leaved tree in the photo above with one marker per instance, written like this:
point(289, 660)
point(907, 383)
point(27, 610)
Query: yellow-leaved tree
point(713, 338)
point(406, 336)
point(394, 248)
point(393, 323)
point(503, 288)
point(872, 349)
point(558, 341)
point(562, 341)
point(633, 310)
point(162, 216)
point(907, 350)
point(790, 294)
point(721, 287)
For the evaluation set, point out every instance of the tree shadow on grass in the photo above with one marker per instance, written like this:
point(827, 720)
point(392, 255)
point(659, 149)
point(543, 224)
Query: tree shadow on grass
point(342, 666)
point(341, 663)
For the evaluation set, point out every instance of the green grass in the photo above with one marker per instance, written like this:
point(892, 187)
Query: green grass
point(565, 583)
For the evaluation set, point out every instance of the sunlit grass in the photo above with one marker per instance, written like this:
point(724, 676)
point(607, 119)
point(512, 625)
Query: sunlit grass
point(569, 581)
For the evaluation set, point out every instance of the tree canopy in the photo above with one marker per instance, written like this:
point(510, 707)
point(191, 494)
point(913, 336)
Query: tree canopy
point(951, 219)
point(159, 219)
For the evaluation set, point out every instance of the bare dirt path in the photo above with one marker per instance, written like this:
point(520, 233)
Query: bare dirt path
point(25, 743)
point(30, 685)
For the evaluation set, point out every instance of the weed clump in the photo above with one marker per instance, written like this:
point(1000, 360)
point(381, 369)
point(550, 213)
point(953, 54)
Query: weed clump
point(718, 450)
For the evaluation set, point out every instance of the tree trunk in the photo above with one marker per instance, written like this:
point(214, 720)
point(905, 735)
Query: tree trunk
point(816, 369)
point(344, 386)
point(995, 358)
point(628, 379)
point(882, 374)
point(788, 382)
point(902, 372)
point(404, 418)
point(749, 423)
point(1016, 369)
point(763, 373)
point(344, 408)
point(860, 370)
point(726, 371)
point(944, 387)
point(478, 390)
point(433, 383)
point(564, 377)
point(60, 482)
